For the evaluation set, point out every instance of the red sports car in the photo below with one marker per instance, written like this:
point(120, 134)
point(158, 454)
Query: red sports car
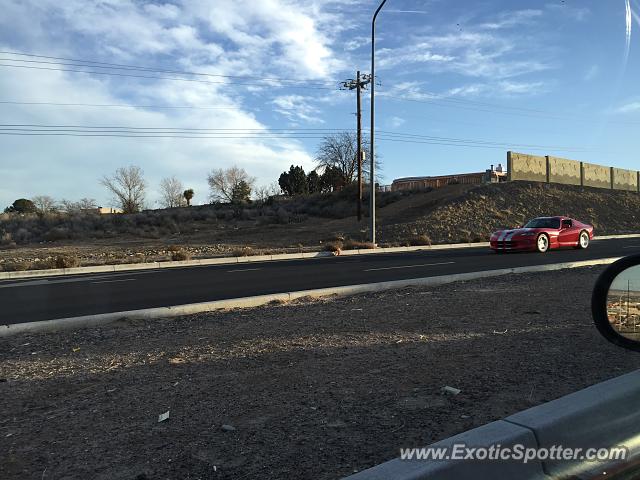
point(543, 233)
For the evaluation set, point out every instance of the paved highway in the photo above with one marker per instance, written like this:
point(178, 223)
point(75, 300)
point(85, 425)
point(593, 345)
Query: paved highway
point(31, 300)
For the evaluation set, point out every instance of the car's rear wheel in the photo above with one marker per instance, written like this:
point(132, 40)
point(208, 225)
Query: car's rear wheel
point(583, 240)
point(542, 243)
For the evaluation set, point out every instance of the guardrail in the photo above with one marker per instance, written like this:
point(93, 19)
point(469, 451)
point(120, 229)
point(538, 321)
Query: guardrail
point(601, 416)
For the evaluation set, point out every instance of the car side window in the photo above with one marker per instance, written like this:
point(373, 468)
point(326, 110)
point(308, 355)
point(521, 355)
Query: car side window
point(566, 224)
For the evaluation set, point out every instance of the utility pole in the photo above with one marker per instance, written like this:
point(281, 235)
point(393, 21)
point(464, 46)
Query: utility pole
point(358, 84)
point(372, 153)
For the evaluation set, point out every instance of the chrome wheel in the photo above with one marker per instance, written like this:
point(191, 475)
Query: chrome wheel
point(584, 240)
point(543, 243)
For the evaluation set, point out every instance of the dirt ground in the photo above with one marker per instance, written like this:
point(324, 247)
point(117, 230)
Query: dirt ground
point(310, 390)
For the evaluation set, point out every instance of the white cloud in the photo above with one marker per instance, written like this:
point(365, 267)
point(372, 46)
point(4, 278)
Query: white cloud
point(471, 54)
point(592, 72)
point(631, 107)
point(269, 38)
point(297, 107)
point(513, 19)
point(395, 122)
point(578, 14)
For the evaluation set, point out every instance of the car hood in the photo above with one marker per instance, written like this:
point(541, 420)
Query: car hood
point(516, 231)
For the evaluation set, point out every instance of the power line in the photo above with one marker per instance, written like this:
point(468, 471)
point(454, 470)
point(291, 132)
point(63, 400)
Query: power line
point(121, 66)
point(119, 105)
point(155, 77)
point(382, 138)
point(164, 132)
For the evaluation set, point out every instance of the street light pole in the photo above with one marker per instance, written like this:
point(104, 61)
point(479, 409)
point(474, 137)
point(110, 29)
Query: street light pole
point(372, 157)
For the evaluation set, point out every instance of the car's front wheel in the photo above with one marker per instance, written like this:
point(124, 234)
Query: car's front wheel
point(542, 244)
point(583, 240)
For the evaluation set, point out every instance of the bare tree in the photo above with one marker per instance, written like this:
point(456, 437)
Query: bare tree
point(223, 183)
point(263, 192)
point(171, 191)
point(83, 205)
point(128, 186)
point(339, 151)
point(44, 204)
point(87, 204)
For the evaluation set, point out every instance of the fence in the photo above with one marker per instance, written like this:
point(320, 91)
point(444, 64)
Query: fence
point(536, 168)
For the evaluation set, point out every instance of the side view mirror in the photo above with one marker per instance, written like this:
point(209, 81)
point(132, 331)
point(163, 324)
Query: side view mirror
point(615, 303)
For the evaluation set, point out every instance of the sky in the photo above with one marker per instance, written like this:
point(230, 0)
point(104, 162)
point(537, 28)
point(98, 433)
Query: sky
point(457, 85)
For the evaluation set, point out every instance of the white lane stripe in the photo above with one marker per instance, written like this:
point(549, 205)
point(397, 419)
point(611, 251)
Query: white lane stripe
point(407, 266)
point(632, 246)
point(114, 281)
point(244, 270)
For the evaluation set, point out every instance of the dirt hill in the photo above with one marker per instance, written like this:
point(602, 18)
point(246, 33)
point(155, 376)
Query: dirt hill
point(460, 213)
point(455, 213)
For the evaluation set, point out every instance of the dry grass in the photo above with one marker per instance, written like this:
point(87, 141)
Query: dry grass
point(357, 245)
point(243, 252)
point(419, 241)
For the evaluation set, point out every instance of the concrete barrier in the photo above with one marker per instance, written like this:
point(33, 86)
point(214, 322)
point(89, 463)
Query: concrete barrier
point(624, 179)
point(601, 416)
point(500, 432)
point(254, 301)
point(596, 175)
point(521, 166)
point(567, 172)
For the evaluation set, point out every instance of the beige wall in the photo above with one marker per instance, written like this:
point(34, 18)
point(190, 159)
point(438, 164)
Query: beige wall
point(596, 175)
point(564, 171)
point(625, 179)
point(550, 169)
point(521, 166)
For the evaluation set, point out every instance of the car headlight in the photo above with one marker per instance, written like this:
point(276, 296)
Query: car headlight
point(528, 234)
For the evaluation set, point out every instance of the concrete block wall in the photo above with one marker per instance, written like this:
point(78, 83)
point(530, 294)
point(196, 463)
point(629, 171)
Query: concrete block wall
point(567, 172)
point(521, 166)
point(624, 179)
point(535, 168)
point(596, 175)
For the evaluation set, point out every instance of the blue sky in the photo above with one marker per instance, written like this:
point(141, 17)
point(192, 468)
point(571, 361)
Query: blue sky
point(556, 77)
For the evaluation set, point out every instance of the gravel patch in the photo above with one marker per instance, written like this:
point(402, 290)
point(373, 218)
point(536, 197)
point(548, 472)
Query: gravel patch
point(314, 389)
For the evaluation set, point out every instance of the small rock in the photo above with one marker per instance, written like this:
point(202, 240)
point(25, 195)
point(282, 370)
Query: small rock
point(228, 428)
point(450, 390)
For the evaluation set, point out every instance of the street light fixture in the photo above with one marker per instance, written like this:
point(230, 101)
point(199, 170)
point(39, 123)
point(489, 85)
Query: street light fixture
point(372, 157)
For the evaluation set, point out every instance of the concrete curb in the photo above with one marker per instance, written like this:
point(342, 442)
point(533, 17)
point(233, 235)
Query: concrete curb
point(254, 301)
point(225, 261)
point(601, 416)
point(255, 258)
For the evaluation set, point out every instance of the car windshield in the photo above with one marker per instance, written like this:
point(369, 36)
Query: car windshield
point(543, 223)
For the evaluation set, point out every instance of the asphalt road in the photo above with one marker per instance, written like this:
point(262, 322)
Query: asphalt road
point(31, 300)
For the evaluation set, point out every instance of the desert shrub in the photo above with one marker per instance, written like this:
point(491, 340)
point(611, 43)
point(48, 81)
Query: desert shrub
point(6, 238)
point(174, 248)
point(334, 247)
point(22, 235)
point(56, 233)
point(180, 255)
point(67, 261)
point(242, 252)
point(356, 245)
point(419, 240)
point(17, 266)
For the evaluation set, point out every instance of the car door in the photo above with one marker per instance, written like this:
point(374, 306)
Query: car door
point(568, 234)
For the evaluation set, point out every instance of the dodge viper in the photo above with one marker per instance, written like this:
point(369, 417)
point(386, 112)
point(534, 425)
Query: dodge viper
point(543, 233)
